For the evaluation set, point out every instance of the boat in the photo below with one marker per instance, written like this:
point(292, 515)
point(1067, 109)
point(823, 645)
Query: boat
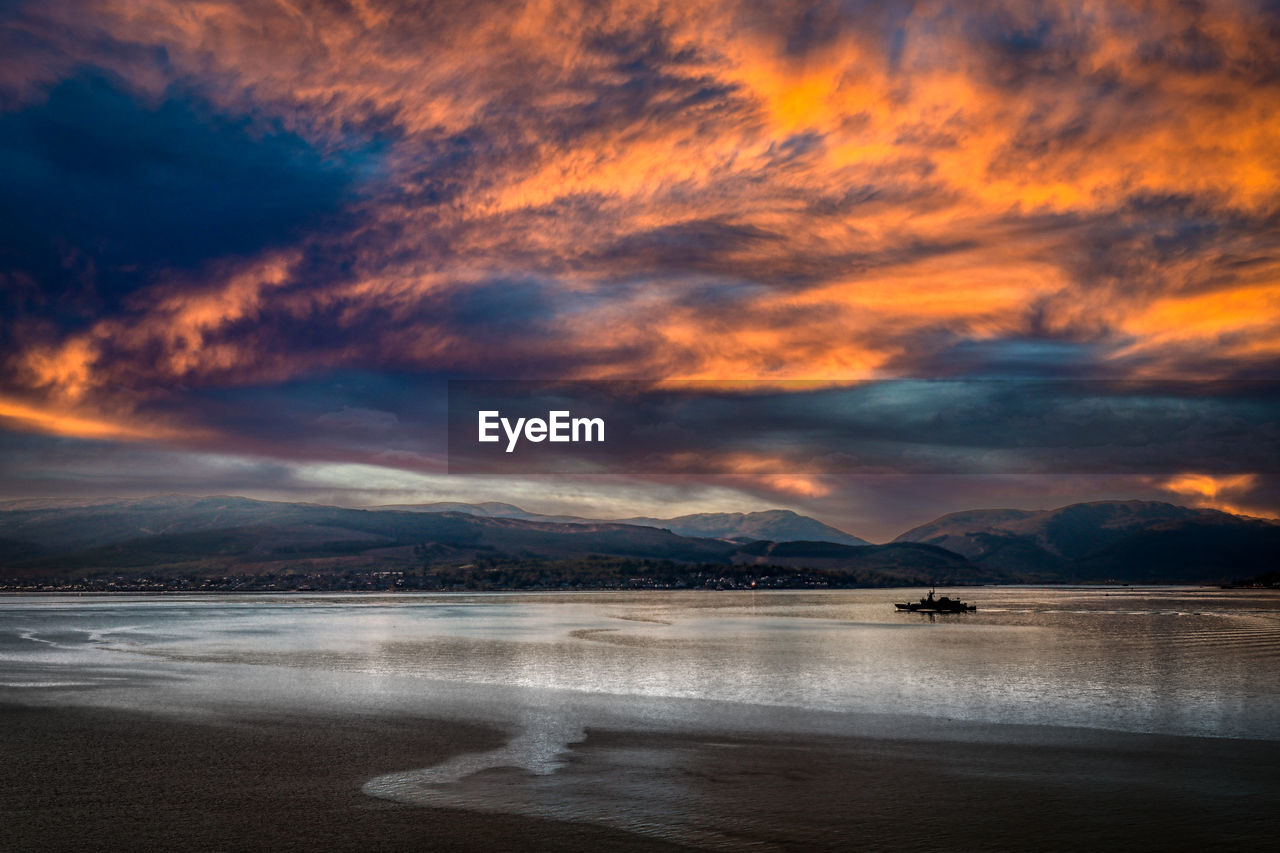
point(942, 604)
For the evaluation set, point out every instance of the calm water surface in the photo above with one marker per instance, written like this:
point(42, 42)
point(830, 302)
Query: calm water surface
point(549, 667)
point(1178, 661)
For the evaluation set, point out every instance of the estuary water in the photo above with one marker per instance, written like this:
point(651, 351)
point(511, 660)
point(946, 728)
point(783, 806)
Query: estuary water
point(550, 668)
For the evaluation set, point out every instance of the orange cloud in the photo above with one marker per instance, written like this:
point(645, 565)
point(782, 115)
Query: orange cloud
point(1213, 491)
point(15, 414)
point(710, 190)
point(771, 473)
point(1235, 322)
point(174, 336)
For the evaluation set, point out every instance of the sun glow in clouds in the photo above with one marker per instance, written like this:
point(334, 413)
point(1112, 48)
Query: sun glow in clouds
point(225, 219)
point(1206, 489)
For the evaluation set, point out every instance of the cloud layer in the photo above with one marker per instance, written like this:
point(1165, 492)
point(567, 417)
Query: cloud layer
point(215, 214)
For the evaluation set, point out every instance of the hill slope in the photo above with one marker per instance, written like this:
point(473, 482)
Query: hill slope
point(171, 530)
point(779, 525)
point(909, 563)
point(1131, 541)
point(179, 537)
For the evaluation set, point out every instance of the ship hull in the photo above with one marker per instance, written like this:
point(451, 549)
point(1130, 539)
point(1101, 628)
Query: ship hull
point(918, 608)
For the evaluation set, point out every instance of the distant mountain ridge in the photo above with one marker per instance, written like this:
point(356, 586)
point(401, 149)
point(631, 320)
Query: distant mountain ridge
point(1132, 541)
point(179, 537)
point(232, 530)
point(778, 525)
point(905, 561)
point(166, 536)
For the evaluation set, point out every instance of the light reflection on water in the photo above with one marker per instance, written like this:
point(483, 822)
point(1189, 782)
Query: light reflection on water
point(1170, 661)
point(552, 668)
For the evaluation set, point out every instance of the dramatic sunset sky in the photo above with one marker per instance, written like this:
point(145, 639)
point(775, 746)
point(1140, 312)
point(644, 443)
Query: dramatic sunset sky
point(244, 245)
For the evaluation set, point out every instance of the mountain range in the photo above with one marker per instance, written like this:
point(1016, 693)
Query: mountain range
point(1133, 541)
point(175, 535)
point(778, 525)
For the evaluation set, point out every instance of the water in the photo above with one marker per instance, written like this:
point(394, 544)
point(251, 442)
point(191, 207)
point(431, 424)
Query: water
point(550, 668)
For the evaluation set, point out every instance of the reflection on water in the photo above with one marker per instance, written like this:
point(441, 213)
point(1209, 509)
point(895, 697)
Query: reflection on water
point(1175, 661)
point(550, 668)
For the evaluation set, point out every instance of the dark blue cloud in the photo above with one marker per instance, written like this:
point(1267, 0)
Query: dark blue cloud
point(99, 189)
point(365, 415)
point(700, 244)
point(1031, 356)
point(1021, 50)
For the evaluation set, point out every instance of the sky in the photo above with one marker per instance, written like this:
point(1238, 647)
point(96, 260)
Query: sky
point(244, 246)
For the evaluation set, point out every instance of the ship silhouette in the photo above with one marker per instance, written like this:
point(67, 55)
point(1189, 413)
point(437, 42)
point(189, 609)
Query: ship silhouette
point(942, 604)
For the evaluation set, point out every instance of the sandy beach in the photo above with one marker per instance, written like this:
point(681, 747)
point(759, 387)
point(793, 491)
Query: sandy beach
point(90, 779)
point(93, 779)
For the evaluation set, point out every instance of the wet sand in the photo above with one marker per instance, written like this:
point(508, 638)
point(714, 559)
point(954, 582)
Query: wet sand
point(77, 779)
point(1086, 790)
